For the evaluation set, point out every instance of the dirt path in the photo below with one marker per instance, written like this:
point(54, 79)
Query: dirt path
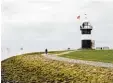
point(93, 63)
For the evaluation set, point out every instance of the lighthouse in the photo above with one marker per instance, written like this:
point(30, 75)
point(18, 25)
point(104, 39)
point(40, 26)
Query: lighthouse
point(86, 37)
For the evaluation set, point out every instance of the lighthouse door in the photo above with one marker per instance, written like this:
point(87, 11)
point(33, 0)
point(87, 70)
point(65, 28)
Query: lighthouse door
point(86, 44)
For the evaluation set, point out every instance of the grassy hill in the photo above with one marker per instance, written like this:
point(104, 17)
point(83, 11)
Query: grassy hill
point(92, 55)
point(33, 68)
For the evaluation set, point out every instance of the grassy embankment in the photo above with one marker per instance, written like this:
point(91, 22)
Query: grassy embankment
point(49, 52)
point(33, 68)
point(92, 55)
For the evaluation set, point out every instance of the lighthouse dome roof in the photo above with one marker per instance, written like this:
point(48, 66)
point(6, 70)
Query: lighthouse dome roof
point(86, 23)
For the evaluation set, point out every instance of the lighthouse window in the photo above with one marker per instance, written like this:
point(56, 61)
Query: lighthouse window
point(83, 24)
point(84, 32)
point(87, 23)
point(89, 32)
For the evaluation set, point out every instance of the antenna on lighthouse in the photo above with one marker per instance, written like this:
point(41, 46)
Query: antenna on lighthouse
point(85, 17)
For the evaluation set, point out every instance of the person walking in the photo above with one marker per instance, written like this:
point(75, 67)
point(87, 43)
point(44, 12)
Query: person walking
point(46, 51)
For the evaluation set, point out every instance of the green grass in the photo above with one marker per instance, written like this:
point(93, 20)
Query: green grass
point(92, 55)
point(57, 52)
point(33, 68)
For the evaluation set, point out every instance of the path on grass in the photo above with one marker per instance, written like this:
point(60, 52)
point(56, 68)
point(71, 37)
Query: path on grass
point(93, 63)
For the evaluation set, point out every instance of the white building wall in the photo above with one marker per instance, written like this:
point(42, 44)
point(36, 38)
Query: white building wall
point(86, 36)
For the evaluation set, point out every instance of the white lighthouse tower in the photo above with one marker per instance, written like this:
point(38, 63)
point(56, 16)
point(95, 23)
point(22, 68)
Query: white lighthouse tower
point(86, 41)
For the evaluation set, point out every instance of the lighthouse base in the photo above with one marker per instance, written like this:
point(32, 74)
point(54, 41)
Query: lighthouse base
point(86, 44)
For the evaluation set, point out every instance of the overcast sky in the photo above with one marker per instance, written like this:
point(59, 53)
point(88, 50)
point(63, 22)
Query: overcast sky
point(53, 24)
